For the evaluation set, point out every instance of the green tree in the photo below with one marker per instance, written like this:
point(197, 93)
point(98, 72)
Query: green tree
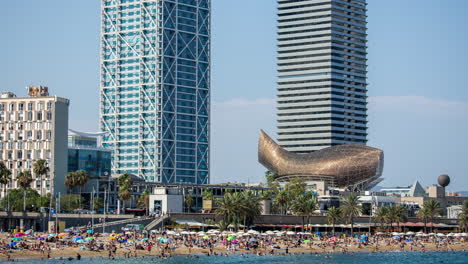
point(98, 203)
point(82, 178)
point(125, 185)
point(207, 194)
point(33, 201)
point(250, 207)
point(143, 201)
point(24, 180)
point(40, 169)
point(71, 181)
point(304, 205)
point(424, 215)
point(228, 208)
point(463, 217)
point(5, 178)
point(282, 200)
point(188, 201)
point(70, 202)
point(397, 213)
point(351, 209)
point(333, 216)
point(381, 215)
point(433, 209)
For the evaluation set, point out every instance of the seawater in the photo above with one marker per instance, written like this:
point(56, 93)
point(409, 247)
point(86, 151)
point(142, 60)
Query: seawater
point(351, 258)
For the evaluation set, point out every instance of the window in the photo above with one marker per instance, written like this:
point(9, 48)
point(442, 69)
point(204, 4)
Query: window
point(48, 134)
point(39, 135)
point(21, 107)
point(29, 134)
point(49, 115)
point(10, 155)
point(20, 154)
point(30, 116)
point(2, 107)
point(39, 116)
point(39, 106)
point(30, 106)
point(12, 107)
point(49, 105)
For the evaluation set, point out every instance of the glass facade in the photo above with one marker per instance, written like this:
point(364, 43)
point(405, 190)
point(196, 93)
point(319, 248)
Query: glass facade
point(155, 88)
point(84, 154)
point(322, 89)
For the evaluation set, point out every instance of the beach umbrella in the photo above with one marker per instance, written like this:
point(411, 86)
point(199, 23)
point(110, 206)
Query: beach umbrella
point(290, 233)
point(63, 234)
point(19, 234)
point(89, 231)
point(306, 241)
point(12, 244)
point(184, 233)
point(409, 233)
point(80, 241)
point(230, 238)
point(206, 237)
point(253, 239)
point(440, 235)
point(17, 239)
point(52, 234)
point(145, 239)
point(235, 241)
point(40, 238)
point(464, 234)
point(89, 238)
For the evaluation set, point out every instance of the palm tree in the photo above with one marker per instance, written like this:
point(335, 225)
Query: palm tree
point(311, 206)
point(333, 216)
point(400, 214)
point(463, 217)
point(381, 215)
point(188, 201)
point(40, 168)
point(282, 201)
point(70, 181)
point(433, 209)
point(124, 195)
point(298, 206)
point(5, 178)
point(250, 206)
point(143, 201)
point(351, 208)
point(463, 222)
point(229, 208)
point(424, 215)
point(81, 178)
point(24, 180)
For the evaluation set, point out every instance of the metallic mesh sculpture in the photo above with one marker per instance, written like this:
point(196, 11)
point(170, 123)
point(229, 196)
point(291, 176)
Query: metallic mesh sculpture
point(353, 167)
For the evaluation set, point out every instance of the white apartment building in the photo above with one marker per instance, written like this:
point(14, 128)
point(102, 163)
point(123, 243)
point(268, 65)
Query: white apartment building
point(32, 128)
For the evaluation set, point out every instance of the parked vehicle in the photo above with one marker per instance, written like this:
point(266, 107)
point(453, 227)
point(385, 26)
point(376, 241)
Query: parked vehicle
point(133, 227)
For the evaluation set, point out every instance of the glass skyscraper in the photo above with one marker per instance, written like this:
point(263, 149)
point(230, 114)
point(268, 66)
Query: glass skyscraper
point(322, 90)
point(155, 88)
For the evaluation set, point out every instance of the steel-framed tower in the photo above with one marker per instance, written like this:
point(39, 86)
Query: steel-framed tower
point(322, 98)
point(155, 88)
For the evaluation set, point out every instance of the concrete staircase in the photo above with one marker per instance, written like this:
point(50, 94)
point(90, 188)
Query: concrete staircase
point(117, 225)
point(156, 222)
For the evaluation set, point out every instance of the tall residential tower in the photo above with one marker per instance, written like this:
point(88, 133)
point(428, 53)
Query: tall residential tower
point(155, 88)
point(321, 74)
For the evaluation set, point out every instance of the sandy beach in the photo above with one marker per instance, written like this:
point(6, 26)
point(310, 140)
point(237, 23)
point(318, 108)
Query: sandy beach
point(164, 245)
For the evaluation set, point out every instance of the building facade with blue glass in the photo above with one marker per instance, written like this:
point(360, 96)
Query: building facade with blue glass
point(155, 88)
point(85, 154)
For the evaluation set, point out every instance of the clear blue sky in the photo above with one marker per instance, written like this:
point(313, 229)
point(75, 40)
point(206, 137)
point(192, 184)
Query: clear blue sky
point(418, 76)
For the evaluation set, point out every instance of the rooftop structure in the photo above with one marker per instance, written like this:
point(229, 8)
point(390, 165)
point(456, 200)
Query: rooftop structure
point(354, 167)
point(415, 190)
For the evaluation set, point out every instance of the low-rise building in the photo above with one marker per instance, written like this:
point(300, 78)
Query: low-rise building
point(85, 154)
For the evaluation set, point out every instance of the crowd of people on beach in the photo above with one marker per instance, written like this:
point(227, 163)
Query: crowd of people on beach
point(165, 244)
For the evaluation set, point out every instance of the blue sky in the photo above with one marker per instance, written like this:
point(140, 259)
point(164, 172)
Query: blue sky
point(418, 75)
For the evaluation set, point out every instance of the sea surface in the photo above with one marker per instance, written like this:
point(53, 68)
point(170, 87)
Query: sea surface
point(352, 258)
